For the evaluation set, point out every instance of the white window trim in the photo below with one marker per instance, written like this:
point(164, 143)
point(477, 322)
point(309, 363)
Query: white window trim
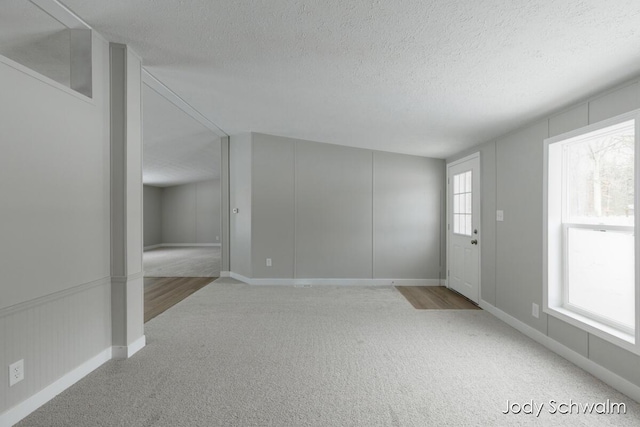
point(552, 297)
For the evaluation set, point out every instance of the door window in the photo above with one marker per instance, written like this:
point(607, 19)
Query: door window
point(462, 203)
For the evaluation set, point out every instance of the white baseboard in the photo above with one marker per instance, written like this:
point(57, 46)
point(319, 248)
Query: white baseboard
point(182, 245)
point(20, 411)
point(605, 375)
point(125, 352)
point(225, 274)
point(338, 282)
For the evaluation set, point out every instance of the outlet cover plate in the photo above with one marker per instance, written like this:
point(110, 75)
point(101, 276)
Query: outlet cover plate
point(535, 310)
point(16, 372)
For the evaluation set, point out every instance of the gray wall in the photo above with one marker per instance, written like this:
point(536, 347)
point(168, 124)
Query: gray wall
point(55, 210)
point(334, 216)
point(327, 211)
point(224, 204)
point(152, 215)
point(240, 198)
point(408, 201)
point(208, 208)
point(183, 214)
point(273, 194)
point(512, 169)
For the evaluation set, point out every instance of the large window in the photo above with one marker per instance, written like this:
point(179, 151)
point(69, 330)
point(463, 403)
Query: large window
point(590, 223)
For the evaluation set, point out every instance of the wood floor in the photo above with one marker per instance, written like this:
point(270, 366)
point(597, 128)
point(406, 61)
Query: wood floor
point(435, 298)
point(162, 293)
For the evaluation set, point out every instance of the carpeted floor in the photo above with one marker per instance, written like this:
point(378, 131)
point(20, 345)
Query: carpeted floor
point(237, 355)
point(182, 262)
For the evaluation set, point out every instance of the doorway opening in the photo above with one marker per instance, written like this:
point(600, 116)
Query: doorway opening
point(182, 198)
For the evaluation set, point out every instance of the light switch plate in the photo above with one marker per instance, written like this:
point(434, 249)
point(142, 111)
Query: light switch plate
point(499, 215)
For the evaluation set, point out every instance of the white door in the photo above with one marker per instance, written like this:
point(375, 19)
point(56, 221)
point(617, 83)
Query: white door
point(463, 227)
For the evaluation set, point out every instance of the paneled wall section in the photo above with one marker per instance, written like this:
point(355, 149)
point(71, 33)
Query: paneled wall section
point(322, 211)
point(512, 168)
point(183, 214)
point(55, 298)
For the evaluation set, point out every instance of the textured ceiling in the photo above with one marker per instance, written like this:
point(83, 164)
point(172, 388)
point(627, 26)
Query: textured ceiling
point(177, 149)
point(414, 76)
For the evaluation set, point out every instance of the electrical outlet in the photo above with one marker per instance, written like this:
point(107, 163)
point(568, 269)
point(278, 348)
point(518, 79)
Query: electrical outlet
point(16, 372)
point(268, 262)
point(499, 215)
point(217, 238)
point(535, 310)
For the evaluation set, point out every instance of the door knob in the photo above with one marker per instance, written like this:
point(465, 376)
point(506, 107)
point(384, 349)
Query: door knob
point(474, 242)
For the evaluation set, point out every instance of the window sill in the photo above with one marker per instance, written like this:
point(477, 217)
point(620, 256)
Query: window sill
point(593, 327)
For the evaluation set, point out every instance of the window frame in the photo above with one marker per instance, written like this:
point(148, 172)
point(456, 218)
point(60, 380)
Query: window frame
point(555, 239)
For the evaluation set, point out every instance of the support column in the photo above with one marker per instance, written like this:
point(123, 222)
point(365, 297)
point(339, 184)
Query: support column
point(224, 183)
point(127, 276)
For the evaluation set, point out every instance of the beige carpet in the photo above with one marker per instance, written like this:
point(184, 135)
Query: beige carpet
point(182, 262)
point(236, 355)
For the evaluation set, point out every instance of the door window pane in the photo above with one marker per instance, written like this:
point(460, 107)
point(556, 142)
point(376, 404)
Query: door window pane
point(462, 203)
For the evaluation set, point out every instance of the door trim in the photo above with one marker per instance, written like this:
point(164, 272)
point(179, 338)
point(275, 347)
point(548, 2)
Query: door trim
point(448, 199)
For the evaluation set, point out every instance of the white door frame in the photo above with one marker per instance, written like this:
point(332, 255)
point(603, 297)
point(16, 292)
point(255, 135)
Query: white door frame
point(448, 219)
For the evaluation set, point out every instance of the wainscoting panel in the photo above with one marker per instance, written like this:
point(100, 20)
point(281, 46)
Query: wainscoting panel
point(53, 335)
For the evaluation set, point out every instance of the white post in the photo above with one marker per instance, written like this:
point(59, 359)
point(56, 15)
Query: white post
point(127, 281)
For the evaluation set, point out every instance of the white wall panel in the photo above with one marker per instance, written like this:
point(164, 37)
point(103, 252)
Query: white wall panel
point(54, 184)
point(569, 120)
point(407, 200)
point(519, 236)
point(134, 199)
point(273, 206)
point(313, 207)
point(333, 211)
point(152, 215)
point(240, 198)
point(53, 334)
point(190, 213)
point(517, 252)
point(615, 359)
point(179, 214)
point(614, 103)
point(574, 338)
point(207, 219)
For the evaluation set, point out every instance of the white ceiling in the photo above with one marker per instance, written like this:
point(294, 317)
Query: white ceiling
point(414, 76)
point(177, 149)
